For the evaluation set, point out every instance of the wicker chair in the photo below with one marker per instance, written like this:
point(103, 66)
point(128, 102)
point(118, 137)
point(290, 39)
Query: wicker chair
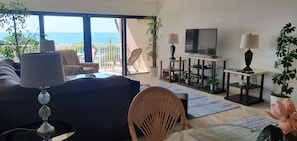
point(135, 54)
point(155, 111)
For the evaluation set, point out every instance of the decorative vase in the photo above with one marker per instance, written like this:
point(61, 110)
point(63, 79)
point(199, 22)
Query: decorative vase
point(154, 71)
point(274, 99)
point(212, 87)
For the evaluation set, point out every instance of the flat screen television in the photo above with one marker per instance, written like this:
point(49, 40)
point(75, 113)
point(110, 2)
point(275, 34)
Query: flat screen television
point(201, 41)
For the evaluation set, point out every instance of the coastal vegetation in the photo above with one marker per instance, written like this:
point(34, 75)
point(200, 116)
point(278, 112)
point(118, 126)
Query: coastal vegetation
point(13, 16)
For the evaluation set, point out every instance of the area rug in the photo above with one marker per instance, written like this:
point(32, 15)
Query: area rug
point(253, 122)
point(200, 105)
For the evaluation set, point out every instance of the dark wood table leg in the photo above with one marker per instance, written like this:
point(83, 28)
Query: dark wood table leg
point(228, 83)
point(262, 85)
point(247, 90)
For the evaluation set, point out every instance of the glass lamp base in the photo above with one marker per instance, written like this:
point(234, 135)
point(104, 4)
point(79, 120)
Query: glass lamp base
point(45, 130)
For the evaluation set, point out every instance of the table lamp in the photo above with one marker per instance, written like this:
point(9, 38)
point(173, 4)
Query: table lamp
point(42, 70)
point(47, 46)
point(249, 41)
point(172, 39)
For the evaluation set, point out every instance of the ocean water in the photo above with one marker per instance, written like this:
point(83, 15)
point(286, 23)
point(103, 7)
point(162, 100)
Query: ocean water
point(76, 37)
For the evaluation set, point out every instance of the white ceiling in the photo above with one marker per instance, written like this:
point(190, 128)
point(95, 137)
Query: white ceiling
point(134, 0)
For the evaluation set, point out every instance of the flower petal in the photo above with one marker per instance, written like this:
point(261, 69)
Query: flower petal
point(288, 101)
point(285, 126)
point(294, 116)
point(280, 109)
point(292, 123)
point(275, 112)
point(271, 115)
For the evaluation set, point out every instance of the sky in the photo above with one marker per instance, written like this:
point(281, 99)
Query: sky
point(69, 24)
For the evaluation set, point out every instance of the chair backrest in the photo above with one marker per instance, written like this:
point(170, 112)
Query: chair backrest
point(134, 56)
point(155, 111)
point(69, 57)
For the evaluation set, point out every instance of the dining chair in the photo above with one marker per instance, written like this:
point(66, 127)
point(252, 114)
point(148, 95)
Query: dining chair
point(155, 112)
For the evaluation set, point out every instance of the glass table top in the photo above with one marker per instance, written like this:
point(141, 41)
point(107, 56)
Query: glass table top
point(215, 133)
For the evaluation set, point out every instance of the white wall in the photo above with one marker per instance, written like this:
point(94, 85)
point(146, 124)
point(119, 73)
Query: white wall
point(232, 18)
point(121, 7)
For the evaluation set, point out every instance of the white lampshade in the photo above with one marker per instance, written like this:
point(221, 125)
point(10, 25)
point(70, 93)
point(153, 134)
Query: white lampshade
point(173, 38)
point(249, 41)
point(41, 70)
point(47, 46)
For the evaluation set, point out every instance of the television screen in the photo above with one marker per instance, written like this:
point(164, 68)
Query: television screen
point(201, 41)
point(191, 47)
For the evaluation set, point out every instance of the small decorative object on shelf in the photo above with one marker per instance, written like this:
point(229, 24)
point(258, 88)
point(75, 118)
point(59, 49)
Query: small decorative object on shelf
point(242, 82)
point(286, 114)
point(184, 76)
point(213, 82)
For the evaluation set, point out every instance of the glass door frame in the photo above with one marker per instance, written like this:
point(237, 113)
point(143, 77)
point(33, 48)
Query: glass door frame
point(87, 31)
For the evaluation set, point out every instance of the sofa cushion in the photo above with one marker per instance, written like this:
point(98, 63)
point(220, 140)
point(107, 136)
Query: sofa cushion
point(7, 61)
point(8, 76)
point(90, 105)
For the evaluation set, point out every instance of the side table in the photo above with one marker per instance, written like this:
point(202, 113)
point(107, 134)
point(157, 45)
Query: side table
point(27, 132)
point(241, 98)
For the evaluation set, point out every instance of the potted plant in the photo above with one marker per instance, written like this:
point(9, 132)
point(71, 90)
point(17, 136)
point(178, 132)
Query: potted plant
point(286, 53)
point(184, 77)
point(13, 17)
point(154, 24)
point(213, 82)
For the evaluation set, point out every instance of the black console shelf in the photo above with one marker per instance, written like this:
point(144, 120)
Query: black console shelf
point(200, 67)
point(198, 76)
point(251, 86)
point(241, 99)
point(171, 73)
point(197, 67)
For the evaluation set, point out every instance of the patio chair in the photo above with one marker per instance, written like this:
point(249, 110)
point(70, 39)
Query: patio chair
point(155, 112)
point(131, 60)
point(72, 66)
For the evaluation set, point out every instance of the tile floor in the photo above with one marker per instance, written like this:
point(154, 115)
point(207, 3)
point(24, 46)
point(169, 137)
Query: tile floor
point(219, 118)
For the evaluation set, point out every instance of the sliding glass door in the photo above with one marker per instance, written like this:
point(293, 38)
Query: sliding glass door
point(137, 41)
point(67, 32)
point(106, 43)
point(109, 40)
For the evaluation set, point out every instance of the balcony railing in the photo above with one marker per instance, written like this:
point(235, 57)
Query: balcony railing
point(101, 53)
point(104, 54)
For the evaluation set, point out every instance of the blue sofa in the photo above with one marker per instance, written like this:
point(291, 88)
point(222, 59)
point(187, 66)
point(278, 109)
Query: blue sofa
point(95, 107)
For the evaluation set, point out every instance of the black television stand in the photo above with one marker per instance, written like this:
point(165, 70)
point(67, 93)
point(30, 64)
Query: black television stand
point(199, 69)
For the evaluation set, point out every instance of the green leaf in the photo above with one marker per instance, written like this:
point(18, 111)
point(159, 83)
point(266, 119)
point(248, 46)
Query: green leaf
point(270, 133)
point(291, 137)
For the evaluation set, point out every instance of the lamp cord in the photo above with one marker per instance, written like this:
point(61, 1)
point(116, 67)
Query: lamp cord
point(17, 129)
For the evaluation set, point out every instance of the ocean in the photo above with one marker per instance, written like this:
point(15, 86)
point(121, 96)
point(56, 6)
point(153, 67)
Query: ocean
point(76, 37)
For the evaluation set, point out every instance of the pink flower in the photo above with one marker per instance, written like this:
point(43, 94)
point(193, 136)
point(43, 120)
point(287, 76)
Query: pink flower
point(285, 113)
